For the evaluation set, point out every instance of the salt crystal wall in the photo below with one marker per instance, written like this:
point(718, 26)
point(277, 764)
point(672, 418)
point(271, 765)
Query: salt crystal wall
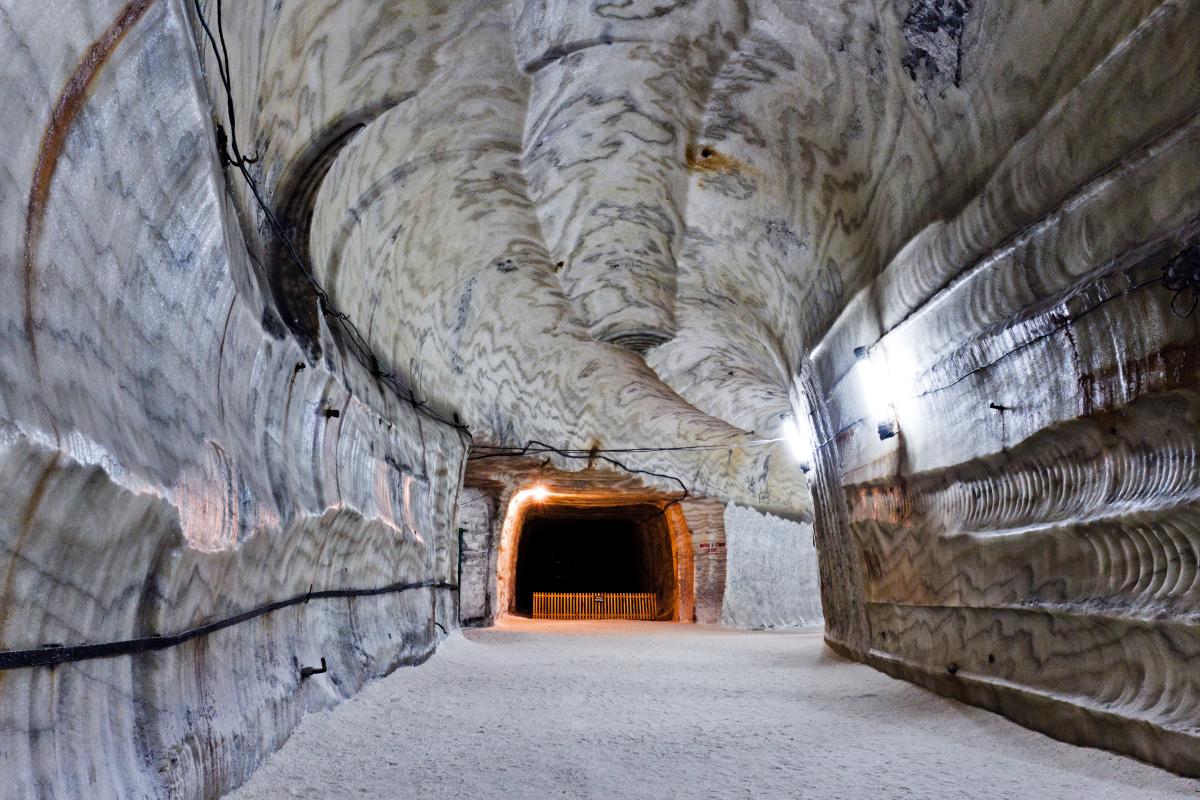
point(166, 459)
point(771, 578)
point(631, 226)
point(1028, 541)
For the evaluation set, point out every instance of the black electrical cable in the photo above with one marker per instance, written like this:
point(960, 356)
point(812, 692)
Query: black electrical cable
point(241, 163)
point(357, 341)
point(491, 451)
point(1181, 275)
point(51, 655)
point(534, 447)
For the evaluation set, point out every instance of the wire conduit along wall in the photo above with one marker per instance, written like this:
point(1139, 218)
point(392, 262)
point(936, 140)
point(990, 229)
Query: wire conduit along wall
point(53, 655)
point(191, 504)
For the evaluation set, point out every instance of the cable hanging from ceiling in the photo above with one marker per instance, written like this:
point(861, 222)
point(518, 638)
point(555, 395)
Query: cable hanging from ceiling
point(534, 447)
point(1181, 275)
point(231, 154)
point(495, 451)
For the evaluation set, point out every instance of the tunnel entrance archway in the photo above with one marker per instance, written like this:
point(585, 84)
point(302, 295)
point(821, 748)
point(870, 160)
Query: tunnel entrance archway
point(621, 549)
point(595, 543)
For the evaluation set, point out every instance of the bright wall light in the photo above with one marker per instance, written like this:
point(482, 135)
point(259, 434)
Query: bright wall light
point(799, 439)
point(539, 493)
point(884, 382)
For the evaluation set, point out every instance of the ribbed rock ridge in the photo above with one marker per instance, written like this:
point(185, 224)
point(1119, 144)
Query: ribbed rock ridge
point(167, 461)
point(944, 238)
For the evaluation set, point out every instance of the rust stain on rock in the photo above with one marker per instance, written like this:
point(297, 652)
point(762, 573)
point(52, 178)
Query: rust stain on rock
point(71, 101)
point(25, 525)
point(1165, 370)
point(704, 158)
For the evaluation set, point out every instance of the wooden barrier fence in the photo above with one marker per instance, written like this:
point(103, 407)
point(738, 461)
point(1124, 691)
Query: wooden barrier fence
point(595, 605)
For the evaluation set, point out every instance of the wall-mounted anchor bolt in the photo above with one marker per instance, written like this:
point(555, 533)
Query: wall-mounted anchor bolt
point(999, 407)
point(308, 671)
point(331, 413)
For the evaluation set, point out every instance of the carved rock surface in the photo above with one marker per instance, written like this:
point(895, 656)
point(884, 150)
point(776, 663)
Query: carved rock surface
point(659, 228)
point(165, 461)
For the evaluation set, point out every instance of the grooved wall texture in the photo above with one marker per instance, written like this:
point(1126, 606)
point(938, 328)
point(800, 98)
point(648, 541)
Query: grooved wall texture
point(706, 520)
point(477, 520)
point(633, 224)
point(771, 578)
point(166, 462)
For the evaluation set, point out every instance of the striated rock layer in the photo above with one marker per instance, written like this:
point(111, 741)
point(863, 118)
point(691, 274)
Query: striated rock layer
point(943, 236)
point(166, 460)
point(1027, 541)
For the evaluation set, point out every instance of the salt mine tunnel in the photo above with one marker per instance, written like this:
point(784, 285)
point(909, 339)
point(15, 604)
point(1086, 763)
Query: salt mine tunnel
point(600, 398)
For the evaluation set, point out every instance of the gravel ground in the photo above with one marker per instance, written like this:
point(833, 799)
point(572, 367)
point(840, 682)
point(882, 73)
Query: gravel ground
point(656, 710)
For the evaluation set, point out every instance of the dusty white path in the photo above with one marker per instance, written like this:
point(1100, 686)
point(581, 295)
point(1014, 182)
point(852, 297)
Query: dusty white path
point(655, 710)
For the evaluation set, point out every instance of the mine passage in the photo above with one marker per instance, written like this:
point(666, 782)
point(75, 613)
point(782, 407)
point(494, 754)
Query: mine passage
point(595, 551)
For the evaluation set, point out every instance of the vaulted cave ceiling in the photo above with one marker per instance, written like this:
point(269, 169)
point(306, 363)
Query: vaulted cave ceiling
point(629, 224)
point(654, 234)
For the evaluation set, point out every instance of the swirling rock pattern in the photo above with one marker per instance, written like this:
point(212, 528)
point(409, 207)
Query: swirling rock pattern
point(165, 462)
point(1028, 541)
point(631, 225)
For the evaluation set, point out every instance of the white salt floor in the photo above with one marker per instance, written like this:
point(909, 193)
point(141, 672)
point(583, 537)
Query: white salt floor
point(616, 710)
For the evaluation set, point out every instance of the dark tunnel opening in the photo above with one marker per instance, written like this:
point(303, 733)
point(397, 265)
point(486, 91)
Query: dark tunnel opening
point(595, 550)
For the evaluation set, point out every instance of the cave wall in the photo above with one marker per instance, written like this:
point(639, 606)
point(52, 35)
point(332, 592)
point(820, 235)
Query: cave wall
point(477, 526)
point(705, 518)
point(436, 228)
point(1027, 542)
point(661, 228)
point(771, 577)
point(166, 459)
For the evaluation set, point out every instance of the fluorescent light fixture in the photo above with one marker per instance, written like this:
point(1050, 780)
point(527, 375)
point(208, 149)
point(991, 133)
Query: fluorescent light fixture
point(799, 439)
point(879, 389)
